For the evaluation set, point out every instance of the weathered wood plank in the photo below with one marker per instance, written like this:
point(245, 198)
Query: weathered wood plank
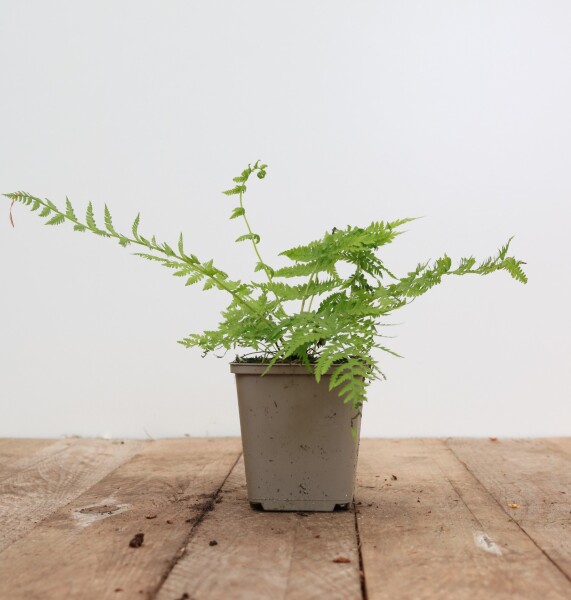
point(533, 477)
point(563, 444)
point(42, 487)
point(434, 532)
point(17, 448)
point(82, 551)
point(266, 555)
point(16, 454)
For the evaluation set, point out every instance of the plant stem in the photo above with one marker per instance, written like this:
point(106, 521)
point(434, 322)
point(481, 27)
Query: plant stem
point(254, 243)
point(257, 251)
point(307, 288)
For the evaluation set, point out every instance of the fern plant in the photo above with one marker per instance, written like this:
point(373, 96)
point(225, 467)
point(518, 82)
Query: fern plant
point(305, 312)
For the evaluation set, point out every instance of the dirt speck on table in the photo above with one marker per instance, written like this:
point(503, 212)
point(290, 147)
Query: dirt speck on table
point(137, 540)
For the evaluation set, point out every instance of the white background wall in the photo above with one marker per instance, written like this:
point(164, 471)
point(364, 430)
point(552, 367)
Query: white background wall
point(364, 110)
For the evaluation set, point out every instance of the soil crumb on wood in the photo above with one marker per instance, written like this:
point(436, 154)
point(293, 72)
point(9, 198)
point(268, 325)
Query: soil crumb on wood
point(213, 543)
point(137, 540)
point(205, 506)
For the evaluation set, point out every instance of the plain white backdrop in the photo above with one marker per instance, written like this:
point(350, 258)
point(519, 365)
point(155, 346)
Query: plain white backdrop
point(456, 111)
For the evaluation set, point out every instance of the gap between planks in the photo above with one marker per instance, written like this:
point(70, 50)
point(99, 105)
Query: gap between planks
point(530, 480)
point(161, 492)
point(466, 543)
point(429, 529)
point(266, 555)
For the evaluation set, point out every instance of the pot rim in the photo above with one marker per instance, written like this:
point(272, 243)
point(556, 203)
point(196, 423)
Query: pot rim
point(240, 368)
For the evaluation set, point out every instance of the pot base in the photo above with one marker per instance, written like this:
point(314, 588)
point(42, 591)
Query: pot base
point(297, 506)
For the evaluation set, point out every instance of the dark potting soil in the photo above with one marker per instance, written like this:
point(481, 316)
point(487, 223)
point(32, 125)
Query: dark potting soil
point(290, 360)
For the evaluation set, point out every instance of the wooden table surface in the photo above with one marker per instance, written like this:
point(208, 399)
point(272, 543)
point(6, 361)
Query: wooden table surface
point(458, 519)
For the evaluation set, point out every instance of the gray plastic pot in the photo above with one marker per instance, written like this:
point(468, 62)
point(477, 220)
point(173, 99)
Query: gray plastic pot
point(299, 452)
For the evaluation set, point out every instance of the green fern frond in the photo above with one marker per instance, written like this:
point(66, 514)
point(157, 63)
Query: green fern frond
point(260, 266)
point(504, 249)
point(109, 221)
point(513, 267)
point(238, 189)
point(197, 277)
point(57, 220)
point(69, 212)
point(248, 236)
point(182, 272)
point(350, 380)
point(297, 270)
point(90, 217)
point(135, 228)
point(336, 340)
point(149, 256)
point(168, 250)
point(238, 212)
point(286, 292)
point(335, 350)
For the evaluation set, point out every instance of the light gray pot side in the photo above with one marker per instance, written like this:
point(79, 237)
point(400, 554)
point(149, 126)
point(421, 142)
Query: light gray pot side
point(299, 452)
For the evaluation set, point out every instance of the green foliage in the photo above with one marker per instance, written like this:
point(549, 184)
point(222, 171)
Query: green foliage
point(330, 323)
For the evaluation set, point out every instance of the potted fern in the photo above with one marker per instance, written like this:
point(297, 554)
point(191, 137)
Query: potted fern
point(306, 336)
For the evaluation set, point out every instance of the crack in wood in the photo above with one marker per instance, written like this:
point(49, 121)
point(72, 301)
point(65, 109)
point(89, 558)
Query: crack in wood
point(364, 595)
point(204, 508)
point(511, 518)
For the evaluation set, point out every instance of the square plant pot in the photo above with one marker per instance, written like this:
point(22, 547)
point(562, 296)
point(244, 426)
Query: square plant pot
point(299, 451)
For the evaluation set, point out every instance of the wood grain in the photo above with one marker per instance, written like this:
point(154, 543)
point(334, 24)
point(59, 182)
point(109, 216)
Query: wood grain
point(42, 487)
point(434, 522)
point(82, 551)
point(531, 482)
point(563, 444)
point(429, 530)
point(266, 555)
point(17, 454)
